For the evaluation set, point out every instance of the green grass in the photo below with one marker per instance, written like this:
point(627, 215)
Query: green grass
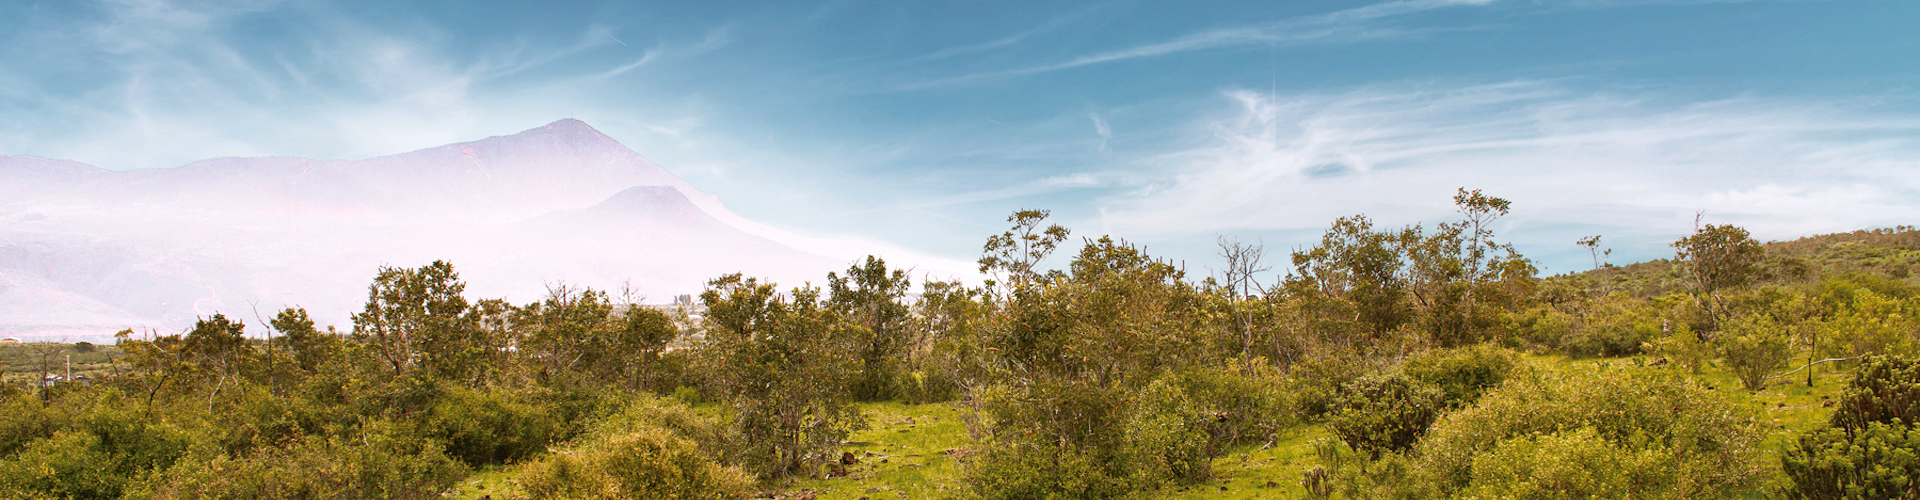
point(908, 450)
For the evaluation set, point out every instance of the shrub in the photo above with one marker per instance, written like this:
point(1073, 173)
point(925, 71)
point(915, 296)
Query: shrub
point(1567, 465)
point(481, 428)
point(1023, 470)
point(379, 461)
point(1081, 440)
point(1754, 347)
point(1317, 379)
point(1682, 348)
point(1617, 326)
point(1383, 413)
point(1167, 437)
point(1870, 448)
point(1881, 460)
point(1884, 388)
point(1245, 406)
point(101, 455)
point(1462, 374)
point(1695, 442)
point(645, 463)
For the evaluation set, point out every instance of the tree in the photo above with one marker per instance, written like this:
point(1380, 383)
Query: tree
point(310, 348)
point(1012, 256)
point(418, 319)
point(1243, 262)
point(1717, 259)
point(783, 364)
point(1593, 246)
point(580, 335)
point(1357, 266)
point(870, 296)
point(409, 310)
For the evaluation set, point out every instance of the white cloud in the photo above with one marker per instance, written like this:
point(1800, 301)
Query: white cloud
point(1625, 161)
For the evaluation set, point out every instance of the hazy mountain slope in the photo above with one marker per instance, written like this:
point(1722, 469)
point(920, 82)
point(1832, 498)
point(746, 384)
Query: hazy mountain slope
point(87, 251)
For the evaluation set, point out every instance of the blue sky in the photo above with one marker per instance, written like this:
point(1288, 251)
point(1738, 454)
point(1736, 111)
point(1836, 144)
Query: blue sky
point(1164, 123)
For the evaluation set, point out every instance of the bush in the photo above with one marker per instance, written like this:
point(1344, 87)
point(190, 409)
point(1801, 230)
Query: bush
point(645, 463)
point(1566, 465)
point(1881, 460)
point(1870, 448)
point(1754, 347)
point(1462, 374)
point(1884, 388)
point(1317, 379)
point(1024, 470)
point(483, 428)
point(1167, 437)
point(1693, 442)
point(1245, 406)
point(1381, 413)
point(101, 455)
point(379, 461)
point(1081, 440)
point(1683, 348)
point(1618, 326)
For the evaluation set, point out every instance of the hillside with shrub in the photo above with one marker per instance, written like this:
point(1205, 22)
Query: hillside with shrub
point(1381, 362)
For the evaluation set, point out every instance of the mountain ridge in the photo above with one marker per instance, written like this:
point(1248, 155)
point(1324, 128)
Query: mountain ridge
point(92, 250)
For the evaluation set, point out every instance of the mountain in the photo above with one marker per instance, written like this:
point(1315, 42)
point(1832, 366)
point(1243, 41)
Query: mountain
point(86, 251)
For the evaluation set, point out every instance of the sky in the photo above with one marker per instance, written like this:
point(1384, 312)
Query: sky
point(1167, 124)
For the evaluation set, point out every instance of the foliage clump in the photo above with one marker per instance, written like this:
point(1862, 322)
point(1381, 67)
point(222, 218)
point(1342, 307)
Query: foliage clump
point(1871, 446)
point(1673, 437)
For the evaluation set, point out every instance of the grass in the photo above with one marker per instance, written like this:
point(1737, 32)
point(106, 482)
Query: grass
point(908, 450)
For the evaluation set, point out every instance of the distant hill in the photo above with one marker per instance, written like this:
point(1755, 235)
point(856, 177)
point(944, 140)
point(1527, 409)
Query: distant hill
point(1892, 253)
point(86, 251)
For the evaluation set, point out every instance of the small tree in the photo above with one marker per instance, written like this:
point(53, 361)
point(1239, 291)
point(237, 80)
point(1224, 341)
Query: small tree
point(1754, 347)
point(1011, 257)
point(783, 365)
point(870, 296)
point(1717, 259)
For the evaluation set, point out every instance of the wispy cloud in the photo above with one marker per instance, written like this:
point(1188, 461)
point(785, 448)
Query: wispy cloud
point(1051, 25)
point(716, 38)
point(1349, 24)
point(1633, 163)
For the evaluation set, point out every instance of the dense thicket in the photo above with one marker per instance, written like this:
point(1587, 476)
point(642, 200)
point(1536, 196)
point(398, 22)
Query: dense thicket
point(1419, 349)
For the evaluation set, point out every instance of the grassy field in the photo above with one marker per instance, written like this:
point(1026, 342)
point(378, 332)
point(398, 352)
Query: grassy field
point(909, 450)
point(912, 438)
point(23, 362)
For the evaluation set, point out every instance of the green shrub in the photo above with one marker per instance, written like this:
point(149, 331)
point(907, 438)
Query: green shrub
point(1566, 465)
point(1884, 388)
point(1881, 460)
point(1245, 406)
point(1317, 379)
point(1025, 470)
point(1694, 441)
point(1617, 326)
point(1382, 413)
point(102, 454)
point(646, 463)
point(1870, 448)
point(481, 428)
point(1683, 348)
point(1081, 440)
point(27, 419)
point(1462, 374)
point(1754, 347)
point(377, 461)
point(650, 412)
point(1167, 437)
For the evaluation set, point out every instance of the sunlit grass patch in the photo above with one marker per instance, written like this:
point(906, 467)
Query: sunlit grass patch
point(907, 452)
